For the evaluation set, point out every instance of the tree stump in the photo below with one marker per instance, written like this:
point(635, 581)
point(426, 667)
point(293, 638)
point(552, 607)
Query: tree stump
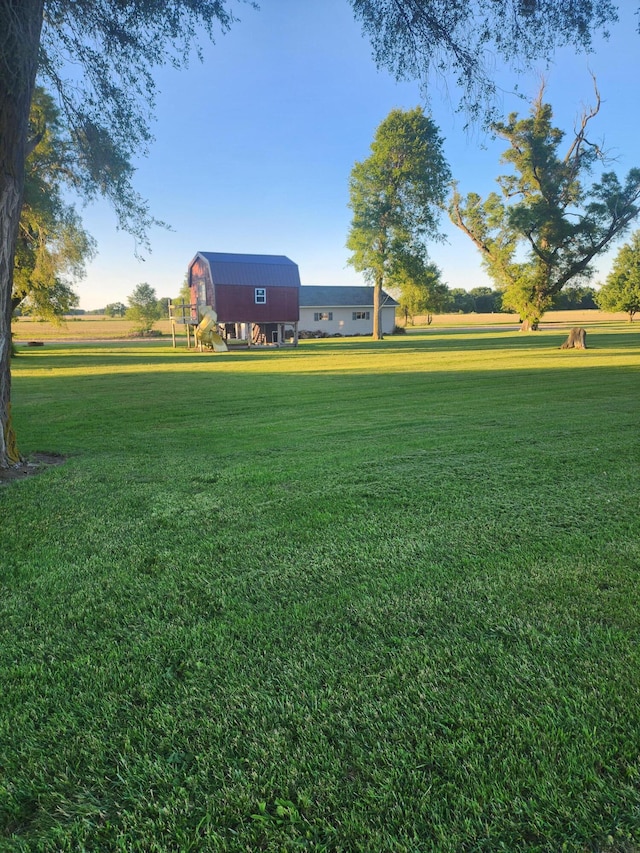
point(576, 339)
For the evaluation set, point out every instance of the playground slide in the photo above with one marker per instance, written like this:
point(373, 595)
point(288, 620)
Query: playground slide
point(206, 331)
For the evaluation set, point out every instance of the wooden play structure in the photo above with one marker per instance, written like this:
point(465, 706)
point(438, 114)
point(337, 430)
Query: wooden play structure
point(200, 324)
point(183, 315)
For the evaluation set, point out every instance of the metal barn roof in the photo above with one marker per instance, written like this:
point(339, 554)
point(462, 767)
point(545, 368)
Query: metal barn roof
point(252, 270)
point(320, 296)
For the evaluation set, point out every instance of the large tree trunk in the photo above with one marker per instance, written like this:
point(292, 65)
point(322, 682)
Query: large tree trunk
point(377, 299)
point(20, 27)
point(530, 325)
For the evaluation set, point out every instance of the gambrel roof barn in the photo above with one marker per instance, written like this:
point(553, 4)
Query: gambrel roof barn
point(246, 288)
point(259, 293)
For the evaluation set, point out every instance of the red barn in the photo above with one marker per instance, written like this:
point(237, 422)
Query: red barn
point(255, 296)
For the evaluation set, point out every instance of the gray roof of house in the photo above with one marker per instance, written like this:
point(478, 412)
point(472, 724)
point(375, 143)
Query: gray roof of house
point(252, 270)
point(357, 296)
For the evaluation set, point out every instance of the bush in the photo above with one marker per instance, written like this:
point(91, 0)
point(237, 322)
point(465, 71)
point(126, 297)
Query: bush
point(146, 333)
point(143, 308)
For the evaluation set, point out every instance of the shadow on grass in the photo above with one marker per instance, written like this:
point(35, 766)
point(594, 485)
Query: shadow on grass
point(157, 411)
point(113, 354)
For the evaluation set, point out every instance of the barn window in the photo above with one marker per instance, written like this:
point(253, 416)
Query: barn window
point(361, 315)
point(319, 315)
point(261, 295)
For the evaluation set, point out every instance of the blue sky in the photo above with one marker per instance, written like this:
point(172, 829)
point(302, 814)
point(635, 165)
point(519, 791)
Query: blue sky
point(254, 146)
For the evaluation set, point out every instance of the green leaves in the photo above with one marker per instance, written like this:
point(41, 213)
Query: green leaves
point(451, 38)
point(99, 57)
point(401, 185)
point(143, 307)
point(545, 227)
point(52, 246)
point(621, 292)
point(396, 195)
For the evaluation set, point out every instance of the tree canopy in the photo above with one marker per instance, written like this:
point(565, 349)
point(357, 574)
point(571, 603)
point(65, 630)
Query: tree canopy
point(115, 309)
point(395, 195)
point(621, 291)
point(99, 58)
point(108, 107)
point(421, 40)
point(420, 286)
point(184, 294)
point(144, 308)
point(545, 226)
point(576, 297)
point(52, 246)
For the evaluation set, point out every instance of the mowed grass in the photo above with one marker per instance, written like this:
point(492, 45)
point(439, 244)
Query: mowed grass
point(356, 596)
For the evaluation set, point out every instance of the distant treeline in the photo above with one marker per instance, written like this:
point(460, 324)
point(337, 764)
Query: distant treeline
point(479, 300)
point(113, 309)
point(484, 300)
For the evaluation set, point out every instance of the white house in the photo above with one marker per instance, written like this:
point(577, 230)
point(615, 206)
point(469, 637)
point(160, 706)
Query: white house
point(343, 310)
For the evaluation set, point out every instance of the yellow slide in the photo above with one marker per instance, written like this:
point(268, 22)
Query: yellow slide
point(206, 331)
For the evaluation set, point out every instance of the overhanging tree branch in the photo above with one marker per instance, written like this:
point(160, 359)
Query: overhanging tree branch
point(431, 40)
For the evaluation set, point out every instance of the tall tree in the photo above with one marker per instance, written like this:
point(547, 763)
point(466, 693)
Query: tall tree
point(621, 291)
point(52, 246)
point(459, 40)
point(421, 289)
point(545, 227)
point(144, 308)
point(395, 195)
point(106, 93)
point(20, 27)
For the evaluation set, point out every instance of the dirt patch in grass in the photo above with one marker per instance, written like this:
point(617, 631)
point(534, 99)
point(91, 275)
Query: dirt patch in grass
point(35, 464)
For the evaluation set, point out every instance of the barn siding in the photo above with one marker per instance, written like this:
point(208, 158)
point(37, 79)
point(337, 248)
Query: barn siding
point(201, 274)
point(236, 304)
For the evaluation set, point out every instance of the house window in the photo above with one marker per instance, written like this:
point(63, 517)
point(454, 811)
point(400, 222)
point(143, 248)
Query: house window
point(319, 315)
point(361, 315)
point(261, 296)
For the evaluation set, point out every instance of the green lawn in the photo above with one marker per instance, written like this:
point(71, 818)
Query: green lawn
point(356, 596)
